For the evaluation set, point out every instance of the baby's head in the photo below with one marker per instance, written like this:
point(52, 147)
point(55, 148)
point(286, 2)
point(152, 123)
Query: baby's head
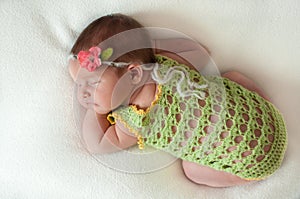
point(108, 26)
point(103, 34)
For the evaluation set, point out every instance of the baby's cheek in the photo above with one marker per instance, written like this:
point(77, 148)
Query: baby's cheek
point(97, 96)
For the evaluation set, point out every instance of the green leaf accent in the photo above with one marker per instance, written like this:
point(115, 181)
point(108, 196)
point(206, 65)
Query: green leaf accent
point(106, 54)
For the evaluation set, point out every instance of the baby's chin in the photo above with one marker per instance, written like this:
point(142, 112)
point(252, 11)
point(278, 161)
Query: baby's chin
point(94, 107)
point(98, 110)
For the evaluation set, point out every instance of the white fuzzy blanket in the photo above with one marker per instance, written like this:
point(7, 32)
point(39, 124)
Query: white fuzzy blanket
point(41, 155)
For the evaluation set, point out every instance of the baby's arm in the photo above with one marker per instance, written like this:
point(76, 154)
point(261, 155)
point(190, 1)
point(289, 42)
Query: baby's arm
point(101, 137)
point(185, 51)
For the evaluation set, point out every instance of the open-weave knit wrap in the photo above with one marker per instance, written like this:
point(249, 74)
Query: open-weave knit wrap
point(223, 125)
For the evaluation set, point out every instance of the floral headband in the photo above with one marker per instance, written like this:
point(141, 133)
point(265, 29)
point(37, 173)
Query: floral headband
point(95, 57)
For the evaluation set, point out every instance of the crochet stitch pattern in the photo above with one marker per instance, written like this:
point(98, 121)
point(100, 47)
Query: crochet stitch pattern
point(231, 129)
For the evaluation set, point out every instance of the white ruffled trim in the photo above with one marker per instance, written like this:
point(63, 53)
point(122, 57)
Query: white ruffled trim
point(184, 76)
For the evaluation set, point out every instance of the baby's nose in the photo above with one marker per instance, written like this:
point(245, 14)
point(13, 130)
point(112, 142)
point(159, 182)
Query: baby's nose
point(86, 95)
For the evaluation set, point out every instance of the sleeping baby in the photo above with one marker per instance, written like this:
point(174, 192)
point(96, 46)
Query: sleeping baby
point(224, 129)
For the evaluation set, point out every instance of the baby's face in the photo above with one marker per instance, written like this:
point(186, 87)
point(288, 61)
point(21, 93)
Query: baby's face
point(102, 90)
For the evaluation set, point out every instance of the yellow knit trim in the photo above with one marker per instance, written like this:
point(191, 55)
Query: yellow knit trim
point(141, 111)
point(254, 179)
point(111, 119)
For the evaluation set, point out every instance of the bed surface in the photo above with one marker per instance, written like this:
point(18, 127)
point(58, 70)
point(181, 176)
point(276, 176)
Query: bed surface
point(40, 148)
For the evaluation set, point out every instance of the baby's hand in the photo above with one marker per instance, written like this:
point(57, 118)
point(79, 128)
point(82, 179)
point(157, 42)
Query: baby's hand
point(103, 121)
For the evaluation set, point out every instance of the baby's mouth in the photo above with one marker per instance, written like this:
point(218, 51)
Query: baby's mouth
point(91, 104)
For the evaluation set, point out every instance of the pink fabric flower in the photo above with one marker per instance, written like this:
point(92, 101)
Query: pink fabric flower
point(90, 59)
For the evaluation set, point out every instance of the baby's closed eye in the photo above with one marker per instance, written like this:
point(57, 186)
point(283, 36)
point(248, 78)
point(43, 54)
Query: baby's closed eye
point(95, 83)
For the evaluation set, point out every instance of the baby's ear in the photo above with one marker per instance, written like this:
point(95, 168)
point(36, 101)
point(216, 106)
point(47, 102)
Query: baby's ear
point(136, 73)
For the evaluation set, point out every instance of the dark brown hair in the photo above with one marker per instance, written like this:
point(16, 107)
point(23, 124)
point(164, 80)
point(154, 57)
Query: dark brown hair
point(108, 26)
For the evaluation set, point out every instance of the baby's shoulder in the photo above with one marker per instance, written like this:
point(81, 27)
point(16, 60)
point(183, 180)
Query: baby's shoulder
point(166, 63)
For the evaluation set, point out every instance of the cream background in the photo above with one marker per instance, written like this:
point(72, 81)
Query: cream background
point(40, 151)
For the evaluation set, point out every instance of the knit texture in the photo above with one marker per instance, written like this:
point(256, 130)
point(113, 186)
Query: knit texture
point(223, 126)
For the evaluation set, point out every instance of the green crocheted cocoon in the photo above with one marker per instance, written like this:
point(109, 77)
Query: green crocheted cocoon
point(223, 126)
